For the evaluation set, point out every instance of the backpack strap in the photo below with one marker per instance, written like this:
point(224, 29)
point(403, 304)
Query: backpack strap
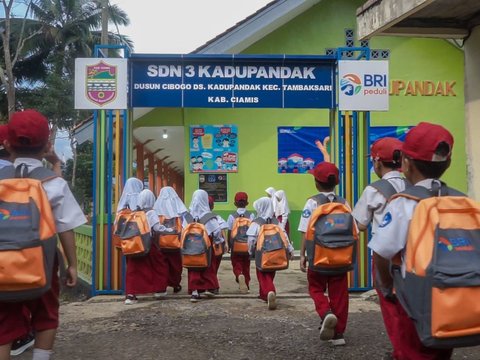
point(245, 214)
point(207, 217)
point(385, 187)
point(321, 199)
point(188, 218)
point(261, 221)
point(418, 193)
point(21, 171)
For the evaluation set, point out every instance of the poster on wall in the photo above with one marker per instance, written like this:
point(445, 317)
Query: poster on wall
point(215, 185)
point(300, 148)
point(213, 148)
point(377, 132)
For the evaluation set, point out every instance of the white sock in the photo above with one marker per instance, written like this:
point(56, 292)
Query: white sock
point(41, 354)
point(195, 292)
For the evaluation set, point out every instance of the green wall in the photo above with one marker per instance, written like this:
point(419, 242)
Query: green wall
point(311, 33)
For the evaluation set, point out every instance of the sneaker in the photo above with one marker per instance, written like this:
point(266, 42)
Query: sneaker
point(272, 300)
point(327, 329)
point(195, 297)
point(177, 289)
point(20, 345)
point(242, 285)
point(131, 299)
point(210, 293)
point(337, 340)
point(160, 295)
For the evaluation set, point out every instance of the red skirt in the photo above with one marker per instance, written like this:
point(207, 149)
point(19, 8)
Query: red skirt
point(203, 280)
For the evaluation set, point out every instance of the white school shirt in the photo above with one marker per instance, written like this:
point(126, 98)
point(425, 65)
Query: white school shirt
point(222, 223)
point(4, 163)
point(392, 232)
point(310, 207)
point(370, 208)
point(66, 211)
point(252, 233)
point(240, 211)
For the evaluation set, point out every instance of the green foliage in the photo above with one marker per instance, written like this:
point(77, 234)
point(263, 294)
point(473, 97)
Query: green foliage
point(83, 177)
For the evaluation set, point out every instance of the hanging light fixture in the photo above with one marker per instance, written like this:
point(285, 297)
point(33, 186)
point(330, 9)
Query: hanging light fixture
point(165, 135)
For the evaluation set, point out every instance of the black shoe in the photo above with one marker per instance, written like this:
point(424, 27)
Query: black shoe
point(20, 345)
point(177, 289)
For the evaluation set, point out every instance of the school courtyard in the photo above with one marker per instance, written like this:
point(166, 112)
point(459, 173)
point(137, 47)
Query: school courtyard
point(232, 326)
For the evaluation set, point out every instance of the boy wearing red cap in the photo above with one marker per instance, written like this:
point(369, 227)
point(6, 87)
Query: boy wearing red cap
point(240, 262)
point(333, 310)
point(426, 156)
point(27, 142)
point(370, 209)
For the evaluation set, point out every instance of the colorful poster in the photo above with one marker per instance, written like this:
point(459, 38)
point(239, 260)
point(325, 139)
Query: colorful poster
point(377, 132)
point(213, 148)
point(299, 148)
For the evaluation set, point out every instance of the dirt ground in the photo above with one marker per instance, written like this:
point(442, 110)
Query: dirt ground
point(231, 326)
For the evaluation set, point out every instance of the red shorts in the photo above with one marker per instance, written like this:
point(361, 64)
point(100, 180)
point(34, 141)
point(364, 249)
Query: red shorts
point(17, 318)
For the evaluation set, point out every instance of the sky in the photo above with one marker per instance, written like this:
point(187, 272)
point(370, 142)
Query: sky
point(180, 26)
point(174, 27)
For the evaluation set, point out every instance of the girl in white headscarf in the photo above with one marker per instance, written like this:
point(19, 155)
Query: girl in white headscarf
point(271, 194)
point(204, 281)
point(144, 275)
point(264, 209)
point(282, 210)
point(129, 197)
point(169, 206)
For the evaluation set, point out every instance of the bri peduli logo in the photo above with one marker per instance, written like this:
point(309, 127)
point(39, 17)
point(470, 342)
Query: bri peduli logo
point(335, 223)
point(350, 84)
point(14, 214)
point(455, 244)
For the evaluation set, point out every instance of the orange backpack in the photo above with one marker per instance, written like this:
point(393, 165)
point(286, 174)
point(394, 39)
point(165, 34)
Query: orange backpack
point(170, 241)
point(134, 234)
point(28, 240)
point(238, 235)
point(331, 237)
point(441, 287)
point(271, 250)
point(195, 243)
point(118, 224)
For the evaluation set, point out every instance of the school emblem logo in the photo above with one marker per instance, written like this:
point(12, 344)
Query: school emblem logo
point(101, 83)
point(350, 84)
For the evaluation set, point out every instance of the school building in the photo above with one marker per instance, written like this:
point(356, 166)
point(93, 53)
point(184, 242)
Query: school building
point(263, 144)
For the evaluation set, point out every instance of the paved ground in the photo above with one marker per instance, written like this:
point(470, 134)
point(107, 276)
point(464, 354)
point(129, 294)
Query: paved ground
point(231, 326)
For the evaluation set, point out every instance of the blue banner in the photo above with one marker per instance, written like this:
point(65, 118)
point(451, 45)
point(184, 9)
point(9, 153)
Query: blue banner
point(298, 148)
point(228, 81)
point(213, 148)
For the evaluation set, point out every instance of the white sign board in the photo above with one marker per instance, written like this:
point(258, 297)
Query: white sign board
point(100, 83)
point(363, 85)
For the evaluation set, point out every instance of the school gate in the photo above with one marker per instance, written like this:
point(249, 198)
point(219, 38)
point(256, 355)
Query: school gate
point(218, 82)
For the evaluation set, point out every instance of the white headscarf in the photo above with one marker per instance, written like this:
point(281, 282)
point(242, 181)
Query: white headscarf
point(199, 205)
point(282, 203)
point(271, 192)
point(146, 199)
point(263, 207)
point(169, 204)
point(130, 192)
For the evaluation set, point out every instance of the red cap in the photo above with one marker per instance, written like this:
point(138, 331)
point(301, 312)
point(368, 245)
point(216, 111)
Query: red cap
point(28, 128)
point(422, 141)
point(241, 196)
point(383, 149)
point(322, 171)
point(3, 135)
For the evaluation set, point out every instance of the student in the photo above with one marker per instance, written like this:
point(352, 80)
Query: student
point(205, 281)
point(240, 262)
point(27, 141)
point(370, 209)
point(170, 206)
point(220, 247)
point(426, 155)
point(332, 309)
point(144, 273)
point(267, 291)
point(282, 210)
